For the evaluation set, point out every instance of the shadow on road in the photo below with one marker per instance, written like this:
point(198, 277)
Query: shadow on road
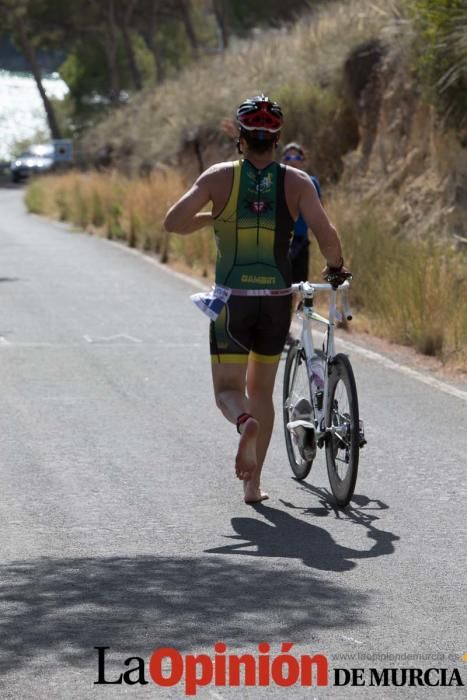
point(63, 608)
point(295, 538)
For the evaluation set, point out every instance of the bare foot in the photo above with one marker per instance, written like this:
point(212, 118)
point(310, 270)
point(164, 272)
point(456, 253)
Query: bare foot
point(253, 493)
point(246, 461)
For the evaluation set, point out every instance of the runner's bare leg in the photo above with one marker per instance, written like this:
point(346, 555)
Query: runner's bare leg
point(260, 386)
point(229, 389)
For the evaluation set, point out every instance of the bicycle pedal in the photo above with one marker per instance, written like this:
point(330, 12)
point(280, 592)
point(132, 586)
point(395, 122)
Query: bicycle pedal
point(293, 425)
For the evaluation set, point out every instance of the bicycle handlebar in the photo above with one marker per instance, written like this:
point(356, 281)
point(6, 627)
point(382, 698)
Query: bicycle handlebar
point(309, 288)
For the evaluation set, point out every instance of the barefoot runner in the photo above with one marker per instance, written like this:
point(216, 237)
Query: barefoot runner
point(255, 202)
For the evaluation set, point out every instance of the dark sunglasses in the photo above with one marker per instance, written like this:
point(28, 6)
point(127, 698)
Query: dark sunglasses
point(293, 157)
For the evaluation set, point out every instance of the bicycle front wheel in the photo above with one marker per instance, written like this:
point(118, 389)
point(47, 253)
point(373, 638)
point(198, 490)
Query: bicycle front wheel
point(297, 405)
point(343, 440)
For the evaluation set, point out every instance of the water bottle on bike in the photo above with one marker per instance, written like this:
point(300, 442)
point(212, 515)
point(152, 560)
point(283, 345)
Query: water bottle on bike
point(316, 370)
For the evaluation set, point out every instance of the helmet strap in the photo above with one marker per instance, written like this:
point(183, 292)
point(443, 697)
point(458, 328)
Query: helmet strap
point(239, 148)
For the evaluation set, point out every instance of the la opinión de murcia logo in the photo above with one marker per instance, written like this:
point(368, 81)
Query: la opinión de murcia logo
point(167, 667)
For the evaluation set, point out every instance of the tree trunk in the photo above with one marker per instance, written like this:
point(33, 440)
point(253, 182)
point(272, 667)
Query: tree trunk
point(130, 55)
point(149, 34)
point(221, 19)
point(29, 53)
point(185, 9)
point(111, 46)
point(125, 22)
point(160, 61)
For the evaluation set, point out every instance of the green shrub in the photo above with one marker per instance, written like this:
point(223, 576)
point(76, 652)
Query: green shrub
point(35, 197)
point(319, 118)
point(136, 229)
point(62, 204)
point(98, 213)
point(308, 108)
point(81, 211)
point(440, 54)
point(114, 226)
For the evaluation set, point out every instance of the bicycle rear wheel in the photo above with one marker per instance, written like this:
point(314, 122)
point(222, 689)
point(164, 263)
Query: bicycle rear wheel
point(343, 443)
point(297, 405)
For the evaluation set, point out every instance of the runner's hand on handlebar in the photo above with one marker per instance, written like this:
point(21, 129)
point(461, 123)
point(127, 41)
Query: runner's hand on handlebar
point(336, 275)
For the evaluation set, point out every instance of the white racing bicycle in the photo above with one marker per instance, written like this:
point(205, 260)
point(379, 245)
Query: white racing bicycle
point(320, 397)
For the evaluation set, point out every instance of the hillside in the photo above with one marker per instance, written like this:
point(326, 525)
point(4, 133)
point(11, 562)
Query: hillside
point(344, 78)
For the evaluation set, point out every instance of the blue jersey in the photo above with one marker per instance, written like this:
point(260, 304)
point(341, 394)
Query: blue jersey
point(300, 228)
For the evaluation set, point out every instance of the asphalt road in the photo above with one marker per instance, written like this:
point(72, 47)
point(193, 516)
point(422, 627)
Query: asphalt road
point(121, 522)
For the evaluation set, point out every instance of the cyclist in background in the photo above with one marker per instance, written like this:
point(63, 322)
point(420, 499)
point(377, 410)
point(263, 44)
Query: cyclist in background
point(255, 202)
point(294, 155)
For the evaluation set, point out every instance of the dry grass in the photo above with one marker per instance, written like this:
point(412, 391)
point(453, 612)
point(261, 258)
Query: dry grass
point(118, 208)
point(412, 293)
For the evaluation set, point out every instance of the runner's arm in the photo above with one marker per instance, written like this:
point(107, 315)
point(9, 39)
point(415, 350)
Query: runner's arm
point(185, 216)
point(317, 220)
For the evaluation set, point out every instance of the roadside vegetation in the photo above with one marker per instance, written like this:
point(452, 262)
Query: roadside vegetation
point(410, 293)
point(126, 210)
point(110, 205)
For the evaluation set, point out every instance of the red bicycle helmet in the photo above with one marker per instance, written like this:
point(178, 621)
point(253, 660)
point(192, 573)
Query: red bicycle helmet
point(260, 114)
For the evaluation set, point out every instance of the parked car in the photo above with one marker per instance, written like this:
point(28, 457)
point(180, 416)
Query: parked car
point(37, 159)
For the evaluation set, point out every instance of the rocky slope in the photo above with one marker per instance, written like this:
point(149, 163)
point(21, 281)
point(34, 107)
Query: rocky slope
point(406, 156)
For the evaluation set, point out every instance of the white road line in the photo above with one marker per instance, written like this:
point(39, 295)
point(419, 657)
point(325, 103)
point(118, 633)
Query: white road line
point(351, 639)
point(20, 344)
point(403, 369)
point(154, 344)
point(109, 338)
point(3, 341)
point(351, 347)
point(390, 364)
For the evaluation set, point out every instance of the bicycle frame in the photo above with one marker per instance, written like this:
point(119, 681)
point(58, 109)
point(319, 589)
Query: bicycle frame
point(307, 291)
